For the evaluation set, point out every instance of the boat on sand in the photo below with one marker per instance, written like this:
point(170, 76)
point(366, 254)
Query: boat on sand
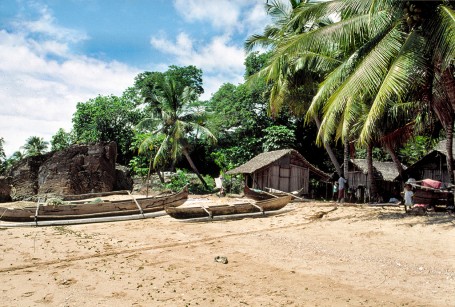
point(257, 194)
point(243, 207)
point(93, 209)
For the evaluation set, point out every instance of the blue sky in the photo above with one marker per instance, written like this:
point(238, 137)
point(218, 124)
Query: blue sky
point(56, 53)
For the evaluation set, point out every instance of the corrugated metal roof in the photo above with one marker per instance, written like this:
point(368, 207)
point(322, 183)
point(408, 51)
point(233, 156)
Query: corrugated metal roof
point(266, 158)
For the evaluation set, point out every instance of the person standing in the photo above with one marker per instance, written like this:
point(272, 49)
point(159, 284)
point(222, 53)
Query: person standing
point(335, 191)
point(341, 188)
point(408, 197)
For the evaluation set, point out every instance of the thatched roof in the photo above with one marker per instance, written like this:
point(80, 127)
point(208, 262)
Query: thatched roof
point(266, 158)
point(382, 170)
point(441, 147)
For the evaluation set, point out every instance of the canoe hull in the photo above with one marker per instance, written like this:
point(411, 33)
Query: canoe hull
point(90, 210)
point(241, 208)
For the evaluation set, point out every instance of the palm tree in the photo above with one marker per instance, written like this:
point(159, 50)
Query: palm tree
point(173, 116)
point(35, 146)
point(388, 51)
point(288, 84)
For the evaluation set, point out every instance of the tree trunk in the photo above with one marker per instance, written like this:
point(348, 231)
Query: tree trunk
point(449, 84)
point(328, 148)
point(449, 149)
point(190, 161)
point(158, 172)
point(395, 159)
point(346, 157)
point(371, 181)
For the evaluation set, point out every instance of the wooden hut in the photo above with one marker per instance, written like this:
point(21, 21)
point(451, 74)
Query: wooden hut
point(285, 170)
point(431, 166)
point(385, 175)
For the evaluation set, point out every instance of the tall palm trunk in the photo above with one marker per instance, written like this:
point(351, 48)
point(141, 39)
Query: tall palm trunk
point(449, 149)
point(328, 148)
point(395, 160)
point(193, 166)
point(449, 85)
point(445, 110)
point(371, 181)
point(346, 157)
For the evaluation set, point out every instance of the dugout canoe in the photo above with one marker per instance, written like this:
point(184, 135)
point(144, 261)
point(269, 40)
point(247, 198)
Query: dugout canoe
point(230, 209)
point(86, 210)
point(259, 195)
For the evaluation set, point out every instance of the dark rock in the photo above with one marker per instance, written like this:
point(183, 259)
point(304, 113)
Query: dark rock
point(123, 181)
point(5, 189)
point(78, 169)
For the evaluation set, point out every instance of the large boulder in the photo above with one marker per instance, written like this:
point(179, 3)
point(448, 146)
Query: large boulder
point(5, 189)
point(79, 169)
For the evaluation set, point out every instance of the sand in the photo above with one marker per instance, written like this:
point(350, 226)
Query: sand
point(308, 254)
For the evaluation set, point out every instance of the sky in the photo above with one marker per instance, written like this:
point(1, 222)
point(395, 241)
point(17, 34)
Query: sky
point(56, 53)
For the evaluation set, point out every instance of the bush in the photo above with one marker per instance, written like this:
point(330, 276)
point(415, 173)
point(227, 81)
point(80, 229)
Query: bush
point(195, 186)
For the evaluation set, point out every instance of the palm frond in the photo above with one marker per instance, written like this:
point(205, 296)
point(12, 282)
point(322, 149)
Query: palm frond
point(404, 75)
point(364, 81)
point(443, 36)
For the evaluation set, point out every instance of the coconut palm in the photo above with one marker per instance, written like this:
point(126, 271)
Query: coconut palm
point(173, 116)
point(35, 146)
point(389, 52)
point(288, 84)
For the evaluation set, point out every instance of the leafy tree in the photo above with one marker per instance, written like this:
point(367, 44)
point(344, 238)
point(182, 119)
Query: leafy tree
point(147, 83)
point(61, 140)
point(173, 116)
point(293, 85)
point(35, 146)
point(278, 137)
point(389, 52)
point(106, 119)
point(416, 148)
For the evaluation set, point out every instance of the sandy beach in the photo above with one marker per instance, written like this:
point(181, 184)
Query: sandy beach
point(308, 254)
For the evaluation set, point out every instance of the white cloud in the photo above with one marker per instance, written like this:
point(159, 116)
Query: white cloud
point(221, 13)
point(39, 92)
point(46, 25)
point(219, 59)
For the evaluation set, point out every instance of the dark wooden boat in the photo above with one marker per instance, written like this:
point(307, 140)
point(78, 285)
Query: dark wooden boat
point(231, 209)
point(92, 209)
point(432, 197)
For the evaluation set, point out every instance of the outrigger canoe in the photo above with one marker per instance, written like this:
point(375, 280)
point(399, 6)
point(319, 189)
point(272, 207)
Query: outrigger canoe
point(86, 210)
point(259, 195)
point(231, 209)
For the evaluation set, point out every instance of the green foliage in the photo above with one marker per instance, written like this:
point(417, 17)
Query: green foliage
point(278, 137)
point(106, 119)
point(378, 154)
point(61, 140)
point(35, 146)
point(146, 146)
point(416, 149)
point(254, 62)
point(182, 178)
point(148, 83)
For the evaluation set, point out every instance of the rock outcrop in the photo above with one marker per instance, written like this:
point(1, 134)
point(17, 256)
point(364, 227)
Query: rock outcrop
point(5, 189)
point(79, 169)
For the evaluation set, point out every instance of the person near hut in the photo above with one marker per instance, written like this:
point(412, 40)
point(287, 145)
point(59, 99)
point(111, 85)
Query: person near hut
point(342, 183)
point(408, 197)
point(335, 191)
